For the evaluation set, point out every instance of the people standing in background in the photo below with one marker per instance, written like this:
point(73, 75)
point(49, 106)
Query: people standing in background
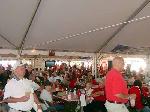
point(28, 71)
point(116, 88)
point(8, 71)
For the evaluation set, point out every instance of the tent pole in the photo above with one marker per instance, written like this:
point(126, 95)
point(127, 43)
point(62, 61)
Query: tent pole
point(94, 68)
point(8, 41)
point(29, 26)
point(148, 63)
point(147, 76)
point(136, 12)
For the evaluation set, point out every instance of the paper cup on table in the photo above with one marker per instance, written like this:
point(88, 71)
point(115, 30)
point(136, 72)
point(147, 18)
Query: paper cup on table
point(132, 102)
point(57, 89)
point(83, 100)
point(69, 96)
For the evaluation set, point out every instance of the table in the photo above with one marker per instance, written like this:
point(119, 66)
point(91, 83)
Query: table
point(70, 105)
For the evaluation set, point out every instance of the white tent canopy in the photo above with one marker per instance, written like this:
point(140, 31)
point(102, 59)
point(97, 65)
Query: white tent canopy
point(27, 24)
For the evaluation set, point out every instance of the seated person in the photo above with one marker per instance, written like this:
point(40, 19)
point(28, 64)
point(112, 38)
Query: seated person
point(1, 92)
point(3, 107)
point(145, 90)
point(72, 82)
point(136, 89)
point(94, 81)
point(46, 96)
point(99, 91)
point(97, 105)
point(39, 80)
point(89, 91)
point(91, 79)
point(58, 86)
point(34, 85)
point(66, 79)
point(99, 97)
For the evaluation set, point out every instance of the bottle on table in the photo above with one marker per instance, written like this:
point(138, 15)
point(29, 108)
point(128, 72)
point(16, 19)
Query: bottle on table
point(83, 97)
point(69, 95)
point(66, 91)
point(75, 92)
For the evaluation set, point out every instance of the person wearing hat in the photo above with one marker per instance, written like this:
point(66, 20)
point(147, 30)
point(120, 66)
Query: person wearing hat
point(19, 93)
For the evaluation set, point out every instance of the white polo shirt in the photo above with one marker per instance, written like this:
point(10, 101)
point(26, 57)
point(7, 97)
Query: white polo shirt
point(34, 85)
point(18, 89)
point(58, 77)
point(51, 79)
point(46, 96)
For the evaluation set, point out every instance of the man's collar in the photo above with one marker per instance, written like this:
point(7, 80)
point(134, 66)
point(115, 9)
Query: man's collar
point(16, 78)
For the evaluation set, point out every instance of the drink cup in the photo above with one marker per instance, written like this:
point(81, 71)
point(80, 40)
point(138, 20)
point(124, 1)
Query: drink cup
point(69, 96)
point(132, 102)
point(27, 93)
point(57, 89)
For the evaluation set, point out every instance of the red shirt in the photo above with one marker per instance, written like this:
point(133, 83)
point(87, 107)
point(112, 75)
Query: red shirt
point(138, 102)
point(94, 82)
point(1, 93)
point(115, 84)
point(145, 91)
point(72, 83)
point(101, 97)
point(59, 86)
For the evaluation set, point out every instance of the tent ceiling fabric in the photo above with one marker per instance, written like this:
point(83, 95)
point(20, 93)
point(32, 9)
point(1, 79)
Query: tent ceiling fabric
point(4, 44)
point(60, 18)
point(14, 18)
point(90, 42)
point(135, 34)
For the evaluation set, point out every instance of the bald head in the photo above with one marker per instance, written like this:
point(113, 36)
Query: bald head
point(118, 63)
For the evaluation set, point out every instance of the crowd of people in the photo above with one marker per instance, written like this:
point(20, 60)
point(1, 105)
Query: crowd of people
point(28, 89)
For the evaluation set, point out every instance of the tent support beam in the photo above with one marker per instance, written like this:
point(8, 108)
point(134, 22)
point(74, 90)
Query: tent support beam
point(8, 41)
point(136, 12)
point(29, 26)
point(94, 68)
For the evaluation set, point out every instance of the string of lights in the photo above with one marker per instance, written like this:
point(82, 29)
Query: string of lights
point(87, 32)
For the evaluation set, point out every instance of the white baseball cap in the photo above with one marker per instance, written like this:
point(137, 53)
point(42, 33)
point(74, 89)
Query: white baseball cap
point(18, 64)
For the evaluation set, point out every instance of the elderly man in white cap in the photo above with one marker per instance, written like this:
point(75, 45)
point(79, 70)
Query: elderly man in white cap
point(19, 93)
